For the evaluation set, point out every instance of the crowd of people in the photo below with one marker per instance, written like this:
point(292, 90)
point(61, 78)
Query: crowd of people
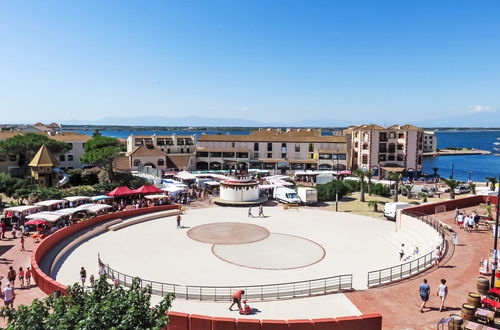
point(468, 222)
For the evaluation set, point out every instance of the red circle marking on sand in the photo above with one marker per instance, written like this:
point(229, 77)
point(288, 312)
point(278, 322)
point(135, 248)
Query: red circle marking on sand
point(228, 233)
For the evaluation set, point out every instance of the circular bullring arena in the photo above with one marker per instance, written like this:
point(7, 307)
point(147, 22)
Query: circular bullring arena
point(221, 248)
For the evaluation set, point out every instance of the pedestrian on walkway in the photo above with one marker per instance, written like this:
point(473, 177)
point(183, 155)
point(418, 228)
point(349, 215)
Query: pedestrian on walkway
point(424, 291)
point(22, 243)
point(13, 231)
point(11, 276)
point(101, 271)
point(83, 276)
point(237, 299)
point(28, 277)
point(250, 215)
point(437, 257)
point(261, 211)
point(92, 280)
point(9, 295)
point(401, 252)
point(442, 293)
point(178, 221)
point(21, 276)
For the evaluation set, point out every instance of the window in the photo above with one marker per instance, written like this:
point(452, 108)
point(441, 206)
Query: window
point(233, 144)
point(70, 146)
point(256, 146)
point(161, 162)
point(364, 159)
point(182, 150)
point(269, 146)
point(311, 156)
point(202, 154)
point(12, 158)
point(283, 155)
point(187, 150)
point(390, 157)
point(62, 158)
point(70, 158)
point(400, 158)
point(341, 156)
point(283, 147)
point(392, 135)
point(216, 154)
point(168, 150)
point(420, 146)
point(311, 147)
point(297, 147)
point(326, 156)
point(269, 155)
point(382, 158)
point(3, 158)
point(400, 146)
point(365, 146)
point(256, 155)
point(382, 147)
point(136, 162)
point(401, 135)
point(356, 144)
point(392, 148)
point(383, 137)
point(419, 160)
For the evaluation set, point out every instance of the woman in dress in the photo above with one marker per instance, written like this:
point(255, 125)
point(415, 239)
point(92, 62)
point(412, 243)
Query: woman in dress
point(442, 293)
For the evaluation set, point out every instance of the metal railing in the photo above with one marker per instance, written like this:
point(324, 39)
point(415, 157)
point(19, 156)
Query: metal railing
point(399, 272)
point(318, 286)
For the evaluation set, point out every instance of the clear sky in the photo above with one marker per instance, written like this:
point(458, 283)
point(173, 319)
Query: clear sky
point(267, 60)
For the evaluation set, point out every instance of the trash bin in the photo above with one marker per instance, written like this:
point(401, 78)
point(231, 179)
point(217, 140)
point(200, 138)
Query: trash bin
point(454, 238)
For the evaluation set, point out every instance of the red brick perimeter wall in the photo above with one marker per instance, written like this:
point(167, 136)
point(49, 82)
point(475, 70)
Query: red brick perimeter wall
point(45, 282)
point(181, 321)
point(451, 204)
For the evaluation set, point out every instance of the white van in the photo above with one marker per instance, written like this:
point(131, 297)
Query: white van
point(286, 195)
point(308, 195)
point(391, 209)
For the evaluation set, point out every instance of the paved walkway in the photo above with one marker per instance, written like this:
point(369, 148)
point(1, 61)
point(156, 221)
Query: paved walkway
point(399, 303)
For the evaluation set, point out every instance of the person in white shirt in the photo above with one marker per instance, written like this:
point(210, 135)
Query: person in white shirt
point(402, 252)
point(8, 296)
point(442, 293)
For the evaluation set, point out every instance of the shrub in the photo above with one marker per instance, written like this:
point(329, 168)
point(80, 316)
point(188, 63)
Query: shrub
point(327, 191)
point(381, 190)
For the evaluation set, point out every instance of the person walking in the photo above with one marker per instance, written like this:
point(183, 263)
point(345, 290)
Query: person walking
point(424, 291)
point(261, 211)
point(28, 277)
point(442, 293)
point(92, 280)
point(237, 299)
point(83, 276)
point(401, 252)
point(437, 257)
point(101, 271)
point(178, 221)
point(250, 215)
point(21, 276)
point(11, 276)
point(22, 243)
point(8, 296)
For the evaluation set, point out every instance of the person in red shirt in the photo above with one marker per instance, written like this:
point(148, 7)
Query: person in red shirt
point(237, 299)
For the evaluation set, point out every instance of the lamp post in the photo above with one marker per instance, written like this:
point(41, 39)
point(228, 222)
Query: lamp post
point(495, 240)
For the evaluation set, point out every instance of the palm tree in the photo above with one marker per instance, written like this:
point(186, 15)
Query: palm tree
point(435, 169)
point(361, 175)
point(373, 205)
point(472, 186)
point(408, 188)
point(369, 175)
point(394, 176)
point(452, 184)
point(493, 181)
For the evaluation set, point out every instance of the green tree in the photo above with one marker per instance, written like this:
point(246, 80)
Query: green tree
point(28, 144)
point(369, 175)
point(493, 181)
point(472, 186)
point(373, 205)
point(361, 175)
point(394, 176)
point(408, 188)
point(101, 151)
point(104, 307)
point(328, 191)
point(452, 184)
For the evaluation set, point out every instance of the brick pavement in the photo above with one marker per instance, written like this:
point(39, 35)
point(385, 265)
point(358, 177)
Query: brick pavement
point(399, 303)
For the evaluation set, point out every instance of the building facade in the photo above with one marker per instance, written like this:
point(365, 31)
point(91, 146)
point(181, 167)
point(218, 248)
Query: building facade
point(375, 147)
point(430, 141)
point(273, 149)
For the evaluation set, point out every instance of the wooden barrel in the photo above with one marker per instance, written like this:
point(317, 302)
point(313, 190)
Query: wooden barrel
point(456, 322)
point(474, 299)
point(483, 285)
point(468, 311)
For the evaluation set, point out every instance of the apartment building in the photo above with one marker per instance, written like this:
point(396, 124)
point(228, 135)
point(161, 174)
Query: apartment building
point(273, 149)
point(375, 147)
point(68, 160)
point(430, 141)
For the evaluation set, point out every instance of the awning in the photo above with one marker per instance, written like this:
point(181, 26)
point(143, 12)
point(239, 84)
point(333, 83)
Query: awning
point(68, 211)
point(50, 202)
point(172, 188)
point(121, 191)
point(101, 197)
point(212, 183)
point(47, 216)
point(149, 189)
point(184, 175)
point(93, 208)
point(155, 196)
point(22, 208)
point(76, 198)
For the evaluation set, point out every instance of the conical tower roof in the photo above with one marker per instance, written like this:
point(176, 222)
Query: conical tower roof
point(43, 157)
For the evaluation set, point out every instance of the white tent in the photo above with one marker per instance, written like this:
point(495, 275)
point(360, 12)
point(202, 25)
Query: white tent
point(67, 211)
point(47, 216)
point(212, 183)
point(77, 198)
point(51, 202)
point(94, 208)
point(155, 196)
point(172, 188)
point(184, 175)
point(22, 208)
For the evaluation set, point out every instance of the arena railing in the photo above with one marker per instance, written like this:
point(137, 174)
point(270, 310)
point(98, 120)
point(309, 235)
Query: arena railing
point(396, 273)
point(318, 286)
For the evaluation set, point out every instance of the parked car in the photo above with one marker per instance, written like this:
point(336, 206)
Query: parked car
point(391, 209)
point(462, 190)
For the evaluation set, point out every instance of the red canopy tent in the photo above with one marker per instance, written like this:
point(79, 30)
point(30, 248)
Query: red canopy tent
point(149, 189)
point(121, 191)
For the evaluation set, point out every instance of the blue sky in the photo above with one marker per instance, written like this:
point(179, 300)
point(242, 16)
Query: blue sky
point(375, 61)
